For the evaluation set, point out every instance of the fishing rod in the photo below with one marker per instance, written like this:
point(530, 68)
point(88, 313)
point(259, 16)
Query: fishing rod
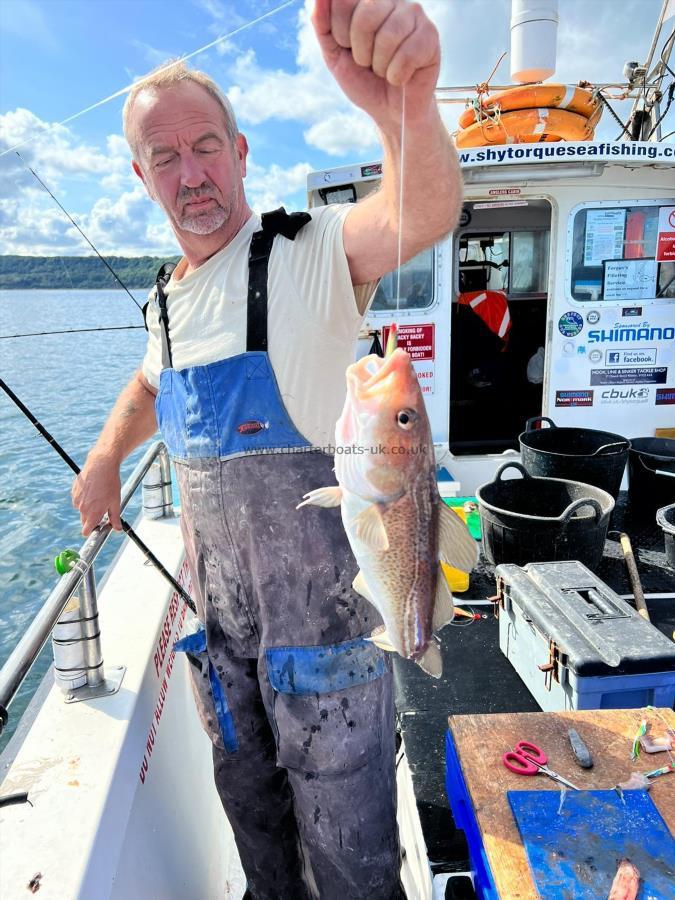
point(74, 223)
point(128, 530)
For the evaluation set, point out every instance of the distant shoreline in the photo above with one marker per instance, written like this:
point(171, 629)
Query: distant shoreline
point(79, 272)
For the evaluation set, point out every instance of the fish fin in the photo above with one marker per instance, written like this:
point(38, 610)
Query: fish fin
point(444, 608)
point(380, 638)
point(431, 661)
point(360, 586)
point(456, 547)
point(325, 496)
point(369, 528)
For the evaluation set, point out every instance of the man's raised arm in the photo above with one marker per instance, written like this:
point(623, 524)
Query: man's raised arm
point(375, 49)
point(96, 489)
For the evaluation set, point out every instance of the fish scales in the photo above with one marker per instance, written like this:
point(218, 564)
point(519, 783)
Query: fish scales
point(391, 509)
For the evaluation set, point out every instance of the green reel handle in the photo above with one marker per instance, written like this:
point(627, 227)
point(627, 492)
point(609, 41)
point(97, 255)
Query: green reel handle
point(65, 561)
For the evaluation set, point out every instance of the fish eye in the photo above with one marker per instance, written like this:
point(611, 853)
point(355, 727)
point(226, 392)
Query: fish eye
point(406, 418)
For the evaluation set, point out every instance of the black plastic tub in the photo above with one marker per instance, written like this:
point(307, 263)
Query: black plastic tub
point(532, 519)
point(651, 475)
point(579, 454)
point(665, 519)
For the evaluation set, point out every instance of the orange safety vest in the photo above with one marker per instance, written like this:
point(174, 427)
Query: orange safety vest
point(493, 309)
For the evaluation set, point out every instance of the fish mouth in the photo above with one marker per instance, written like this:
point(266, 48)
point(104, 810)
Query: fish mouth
point(366, 378)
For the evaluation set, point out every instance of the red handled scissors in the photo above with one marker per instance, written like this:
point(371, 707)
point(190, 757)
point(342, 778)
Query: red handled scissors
point(528, 759)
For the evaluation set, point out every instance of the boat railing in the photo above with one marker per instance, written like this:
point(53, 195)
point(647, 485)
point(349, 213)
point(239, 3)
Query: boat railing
point(70, 612)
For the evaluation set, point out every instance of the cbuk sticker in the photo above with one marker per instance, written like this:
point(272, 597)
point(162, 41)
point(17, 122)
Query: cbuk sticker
point(570, 324)
point(623, 333)
point(625, 395)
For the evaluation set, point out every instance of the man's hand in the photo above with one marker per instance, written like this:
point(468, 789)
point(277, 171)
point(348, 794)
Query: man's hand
point(96, 491)
point(375, 47)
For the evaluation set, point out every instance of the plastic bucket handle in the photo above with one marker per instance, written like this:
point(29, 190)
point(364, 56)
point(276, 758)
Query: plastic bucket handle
point(663, 522)
point(669, 459)
point(529, 425)
point(624, 445)
point(511, 465)
point(662, 472)
point(576, 504)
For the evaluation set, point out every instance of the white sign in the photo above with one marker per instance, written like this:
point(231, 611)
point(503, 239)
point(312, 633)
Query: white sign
point(631, 357)
point(500, 204)
point(665, 240)
point(604, 235)
point(630, 279)
point(426, 375)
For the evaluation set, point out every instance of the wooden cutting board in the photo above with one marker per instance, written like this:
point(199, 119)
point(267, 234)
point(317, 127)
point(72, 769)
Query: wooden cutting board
point(481, 741)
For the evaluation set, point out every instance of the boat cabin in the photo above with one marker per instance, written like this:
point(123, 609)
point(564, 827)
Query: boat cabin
point(555, 297)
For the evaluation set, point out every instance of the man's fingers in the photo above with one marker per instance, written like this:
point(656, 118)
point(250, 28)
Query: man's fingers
point(412, 57)
point(367, 20)
point(114, 516)
point(395, 31)
point(341, 12)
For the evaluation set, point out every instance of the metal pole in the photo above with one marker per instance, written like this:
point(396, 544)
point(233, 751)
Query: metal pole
point(167, 488)
point(91, 631)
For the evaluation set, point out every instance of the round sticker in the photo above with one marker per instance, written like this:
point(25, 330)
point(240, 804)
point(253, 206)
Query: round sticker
point(464, 217)
point(571, 324)
point(595, 356)
point(593, 317)
point(568, 348)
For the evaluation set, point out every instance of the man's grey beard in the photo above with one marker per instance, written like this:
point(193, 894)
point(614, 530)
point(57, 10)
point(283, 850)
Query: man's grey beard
point(205, 222)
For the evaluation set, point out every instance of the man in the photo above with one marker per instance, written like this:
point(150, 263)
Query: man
point(244, 372)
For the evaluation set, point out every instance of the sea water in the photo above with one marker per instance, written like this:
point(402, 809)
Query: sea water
point(69, 382)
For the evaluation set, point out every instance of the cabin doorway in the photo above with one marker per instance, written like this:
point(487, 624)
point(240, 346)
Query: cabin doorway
point(498, 331)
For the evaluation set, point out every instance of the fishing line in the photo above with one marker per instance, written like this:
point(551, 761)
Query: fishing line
point(6, 337)
point(170, 65)
point(145, 550)
point(400, 203)
point(105, 263)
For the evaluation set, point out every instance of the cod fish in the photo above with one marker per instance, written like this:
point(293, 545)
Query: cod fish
point(397, 524)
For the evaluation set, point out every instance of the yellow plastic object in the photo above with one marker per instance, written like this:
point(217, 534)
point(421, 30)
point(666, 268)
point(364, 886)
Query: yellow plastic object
point(457, 581)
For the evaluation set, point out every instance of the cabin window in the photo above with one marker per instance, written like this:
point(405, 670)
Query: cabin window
point(413, 288)
point(614, 251)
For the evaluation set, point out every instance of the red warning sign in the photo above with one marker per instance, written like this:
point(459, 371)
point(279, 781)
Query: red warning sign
point(665, 242)
point(416, 340)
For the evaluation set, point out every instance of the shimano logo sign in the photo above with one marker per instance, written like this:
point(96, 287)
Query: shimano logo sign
point(625, 334)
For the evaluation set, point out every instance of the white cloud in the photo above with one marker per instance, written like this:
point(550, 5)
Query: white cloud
point(268, 188)
point(342, 133)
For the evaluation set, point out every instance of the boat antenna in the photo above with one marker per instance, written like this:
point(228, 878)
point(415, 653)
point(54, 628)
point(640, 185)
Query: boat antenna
point(145, 550)
point(73, 222)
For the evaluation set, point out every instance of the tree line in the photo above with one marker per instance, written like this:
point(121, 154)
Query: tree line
point(77, 272)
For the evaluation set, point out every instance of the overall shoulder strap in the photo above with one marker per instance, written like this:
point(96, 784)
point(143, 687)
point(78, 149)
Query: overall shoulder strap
point(160, 284)
point(273, 223)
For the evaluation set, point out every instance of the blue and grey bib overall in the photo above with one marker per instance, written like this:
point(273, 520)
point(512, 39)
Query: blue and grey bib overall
point(297, 703)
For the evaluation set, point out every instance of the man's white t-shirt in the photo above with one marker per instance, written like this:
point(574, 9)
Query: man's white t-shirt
point(313, 319)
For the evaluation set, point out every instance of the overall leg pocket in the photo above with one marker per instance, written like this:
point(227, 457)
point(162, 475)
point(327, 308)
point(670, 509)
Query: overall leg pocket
point(328, 704)
point(212, 705)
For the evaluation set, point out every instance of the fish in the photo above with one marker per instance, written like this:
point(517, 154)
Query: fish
point(398, 526)
point(626, 884)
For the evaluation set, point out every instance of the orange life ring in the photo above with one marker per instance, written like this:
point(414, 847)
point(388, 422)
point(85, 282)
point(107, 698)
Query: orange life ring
point(527, 126)
point(573, 99)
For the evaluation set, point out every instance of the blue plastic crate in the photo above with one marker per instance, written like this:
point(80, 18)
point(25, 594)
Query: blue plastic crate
point(465, 818)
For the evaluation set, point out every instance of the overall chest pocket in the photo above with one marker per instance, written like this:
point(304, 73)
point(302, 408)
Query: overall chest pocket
point(329, 705)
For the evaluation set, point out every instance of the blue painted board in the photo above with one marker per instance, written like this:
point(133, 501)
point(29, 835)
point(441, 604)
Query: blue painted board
point(574, 849)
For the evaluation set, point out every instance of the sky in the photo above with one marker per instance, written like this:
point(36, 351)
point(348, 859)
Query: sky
point(59, 57)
